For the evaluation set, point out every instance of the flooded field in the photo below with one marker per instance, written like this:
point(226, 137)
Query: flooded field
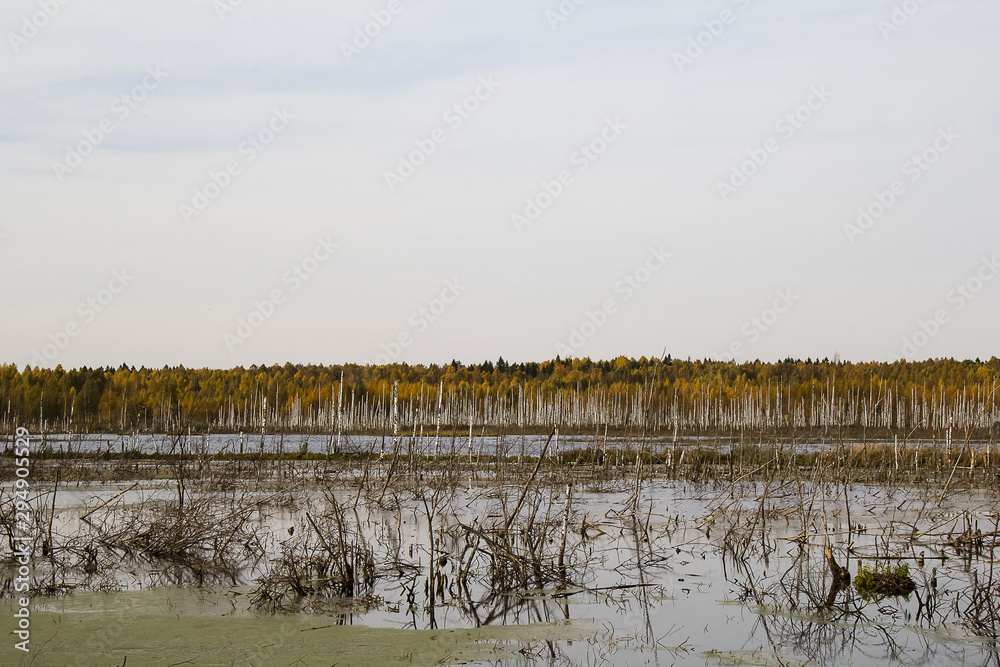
point(748, 556)
point(449, 443)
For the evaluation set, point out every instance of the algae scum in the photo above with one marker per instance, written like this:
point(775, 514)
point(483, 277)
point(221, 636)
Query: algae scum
point(596, 560)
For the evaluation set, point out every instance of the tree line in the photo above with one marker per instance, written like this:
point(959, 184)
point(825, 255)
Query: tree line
point(656, 394)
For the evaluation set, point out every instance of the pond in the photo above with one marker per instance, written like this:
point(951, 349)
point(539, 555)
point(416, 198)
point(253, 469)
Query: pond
point(442, 566)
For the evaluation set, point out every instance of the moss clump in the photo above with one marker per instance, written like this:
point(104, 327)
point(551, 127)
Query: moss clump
point(881, 580)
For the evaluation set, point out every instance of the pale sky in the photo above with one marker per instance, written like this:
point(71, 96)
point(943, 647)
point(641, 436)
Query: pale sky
point(480, 179)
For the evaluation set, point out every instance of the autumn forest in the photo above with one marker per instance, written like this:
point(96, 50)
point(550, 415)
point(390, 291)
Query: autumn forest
point(660, 395)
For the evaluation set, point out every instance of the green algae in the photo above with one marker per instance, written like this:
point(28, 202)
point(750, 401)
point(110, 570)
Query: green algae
point(189, 627)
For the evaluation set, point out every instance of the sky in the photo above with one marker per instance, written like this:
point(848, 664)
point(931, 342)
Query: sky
point(220, 183)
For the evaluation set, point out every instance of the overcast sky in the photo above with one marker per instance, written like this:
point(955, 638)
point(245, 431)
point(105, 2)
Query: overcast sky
point(228, 183)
